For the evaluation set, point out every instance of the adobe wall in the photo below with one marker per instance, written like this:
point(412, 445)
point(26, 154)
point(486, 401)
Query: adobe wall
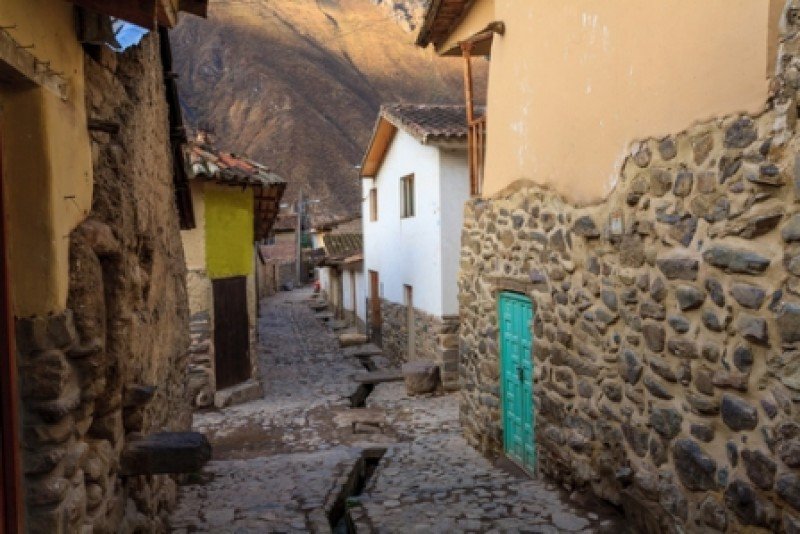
point(667, 323)
point(87, 374)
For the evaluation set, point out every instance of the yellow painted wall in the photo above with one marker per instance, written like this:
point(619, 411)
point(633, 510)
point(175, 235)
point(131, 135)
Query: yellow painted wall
point(574, 83)
point(229, 231)
point(47, 165)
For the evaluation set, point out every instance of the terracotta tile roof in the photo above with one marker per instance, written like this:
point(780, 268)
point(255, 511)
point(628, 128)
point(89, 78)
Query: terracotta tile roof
point(340, 246)
point(286, 222)
point(440, 18)
point(428, 122)
point(206, 163)
point(279, 251)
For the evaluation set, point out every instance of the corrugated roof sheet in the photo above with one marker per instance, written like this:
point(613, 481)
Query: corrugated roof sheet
point(428, 122)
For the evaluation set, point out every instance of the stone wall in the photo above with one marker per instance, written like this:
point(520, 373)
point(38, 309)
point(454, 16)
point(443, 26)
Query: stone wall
point(112, 367)
point(667, 323)
point(200, 378)
point(435, 339)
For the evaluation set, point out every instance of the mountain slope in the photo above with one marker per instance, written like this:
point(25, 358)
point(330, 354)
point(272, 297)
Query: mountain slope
point(296, 84)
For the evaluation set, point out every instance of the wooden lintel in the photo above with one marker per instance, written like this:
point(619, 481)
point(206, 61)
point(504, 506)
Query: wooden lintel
point(195, 7)
point(19, 65)
point(167, 13)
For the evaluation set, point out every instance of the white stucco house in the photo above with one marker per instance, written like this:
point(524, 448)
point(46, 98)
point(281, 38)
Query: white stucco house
point(340, 274)
point(415, 182)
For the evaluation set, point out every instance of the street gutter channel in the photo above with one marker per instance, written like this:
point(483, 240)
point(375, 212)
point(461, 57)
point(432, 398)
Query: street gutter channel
point(339, 515)
point(359, 398)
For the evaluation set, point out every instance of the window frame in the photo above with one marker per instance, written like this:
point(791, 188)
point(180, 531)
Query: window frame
point(373, 204)
point(408, 204)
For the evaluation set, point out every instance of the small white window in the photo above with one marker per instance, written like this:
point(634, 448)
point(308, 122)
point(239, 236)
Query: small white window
point(407, 192)
point(373, 204)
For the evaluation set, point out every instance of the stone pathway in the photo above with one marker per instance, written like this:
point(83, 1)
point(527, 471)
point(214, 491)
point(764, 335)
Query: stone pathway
point(282, 463)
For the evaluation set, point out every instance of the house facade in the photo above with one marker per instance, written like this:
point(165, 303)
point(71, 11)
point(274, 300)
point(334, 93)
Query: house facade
point(414, 185)
point(236, 201)
point(341, 276)
point(630, 313)
point(92, 297)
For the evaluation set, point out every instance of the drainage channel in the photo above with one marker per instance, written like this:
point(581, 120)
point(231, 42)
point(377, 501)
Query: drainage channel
point(338, 516)
point(359, 398)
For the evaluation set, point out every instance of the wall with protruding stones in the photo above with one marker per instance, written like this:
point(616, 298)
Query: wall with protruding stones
point(112, 367)
point(435, 339)
point(667, 323)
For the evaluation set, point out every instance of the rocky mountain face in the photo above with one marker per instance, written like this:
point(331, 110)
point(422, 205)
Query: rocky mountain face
point(296, 84)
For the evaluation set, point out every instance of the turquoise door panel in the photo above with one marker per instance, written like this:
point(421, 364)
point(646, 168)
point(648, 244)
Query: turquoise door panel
point(516, 367)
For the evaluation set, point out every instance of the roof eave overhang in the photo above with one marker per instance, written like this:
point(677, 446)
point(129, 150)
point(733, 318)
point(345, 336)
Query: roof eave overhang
point(382, 138)
point(454, 143)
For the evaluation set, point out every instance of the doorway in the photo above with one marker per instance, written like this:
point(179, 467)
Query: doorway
point(375, 320)
point(353, 296)
point(231, 331)
point(516, 371)
point(408, 297)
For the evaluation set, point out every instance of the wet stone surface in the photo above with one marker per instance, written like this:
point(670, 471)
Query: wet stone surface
point(281, 463)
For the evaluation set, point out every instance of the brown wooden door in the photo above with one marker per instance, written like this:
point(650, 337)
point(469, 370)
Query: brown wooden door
point(374, 299)
point(231, 331)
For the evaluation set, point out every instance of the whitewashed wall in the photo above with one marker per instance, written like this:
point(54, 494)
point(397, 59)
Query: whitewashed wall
point(323, 275)
point(454, 186)
point(410, 251)
point(360, 291)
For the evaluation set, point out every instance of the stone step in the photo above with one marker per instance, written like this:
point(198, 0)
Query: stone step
point(363, 351)
point(338, 325)
point(377, 377)
point(324, 316)
point(350, 340)
point(165, 452)
point(319, 306)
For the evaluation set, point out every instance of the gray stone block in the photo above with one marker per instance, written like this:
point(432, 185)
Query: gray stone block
point(165, 452)
point(420, 377)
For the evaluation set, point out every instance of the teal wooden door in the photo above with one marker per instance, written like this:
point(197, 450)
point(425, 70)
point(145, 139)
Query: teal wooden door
point(516, 368)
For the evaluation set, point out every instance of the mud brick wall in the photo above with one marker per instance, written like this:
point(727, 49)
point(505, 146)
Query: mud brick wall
point(112, 367)
point(667, 323)
point(435, 339)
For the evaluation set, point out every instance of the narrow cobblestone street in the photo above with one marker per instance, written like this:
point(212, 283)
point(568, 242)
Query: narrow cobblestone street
point(297, 459)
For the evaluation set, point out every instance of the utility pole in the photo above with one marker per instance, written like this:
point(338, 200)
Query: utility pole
point(301, 208)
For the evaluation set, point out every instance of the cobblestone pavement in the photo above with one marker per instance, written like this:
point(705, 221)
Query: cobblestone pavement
point(293, 461)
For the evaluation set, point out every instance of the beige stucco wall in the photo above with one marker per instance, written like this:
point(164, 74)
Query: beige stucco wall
point(194, 240)
point(47, 165)
point(194, 249)
point(574, 83)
